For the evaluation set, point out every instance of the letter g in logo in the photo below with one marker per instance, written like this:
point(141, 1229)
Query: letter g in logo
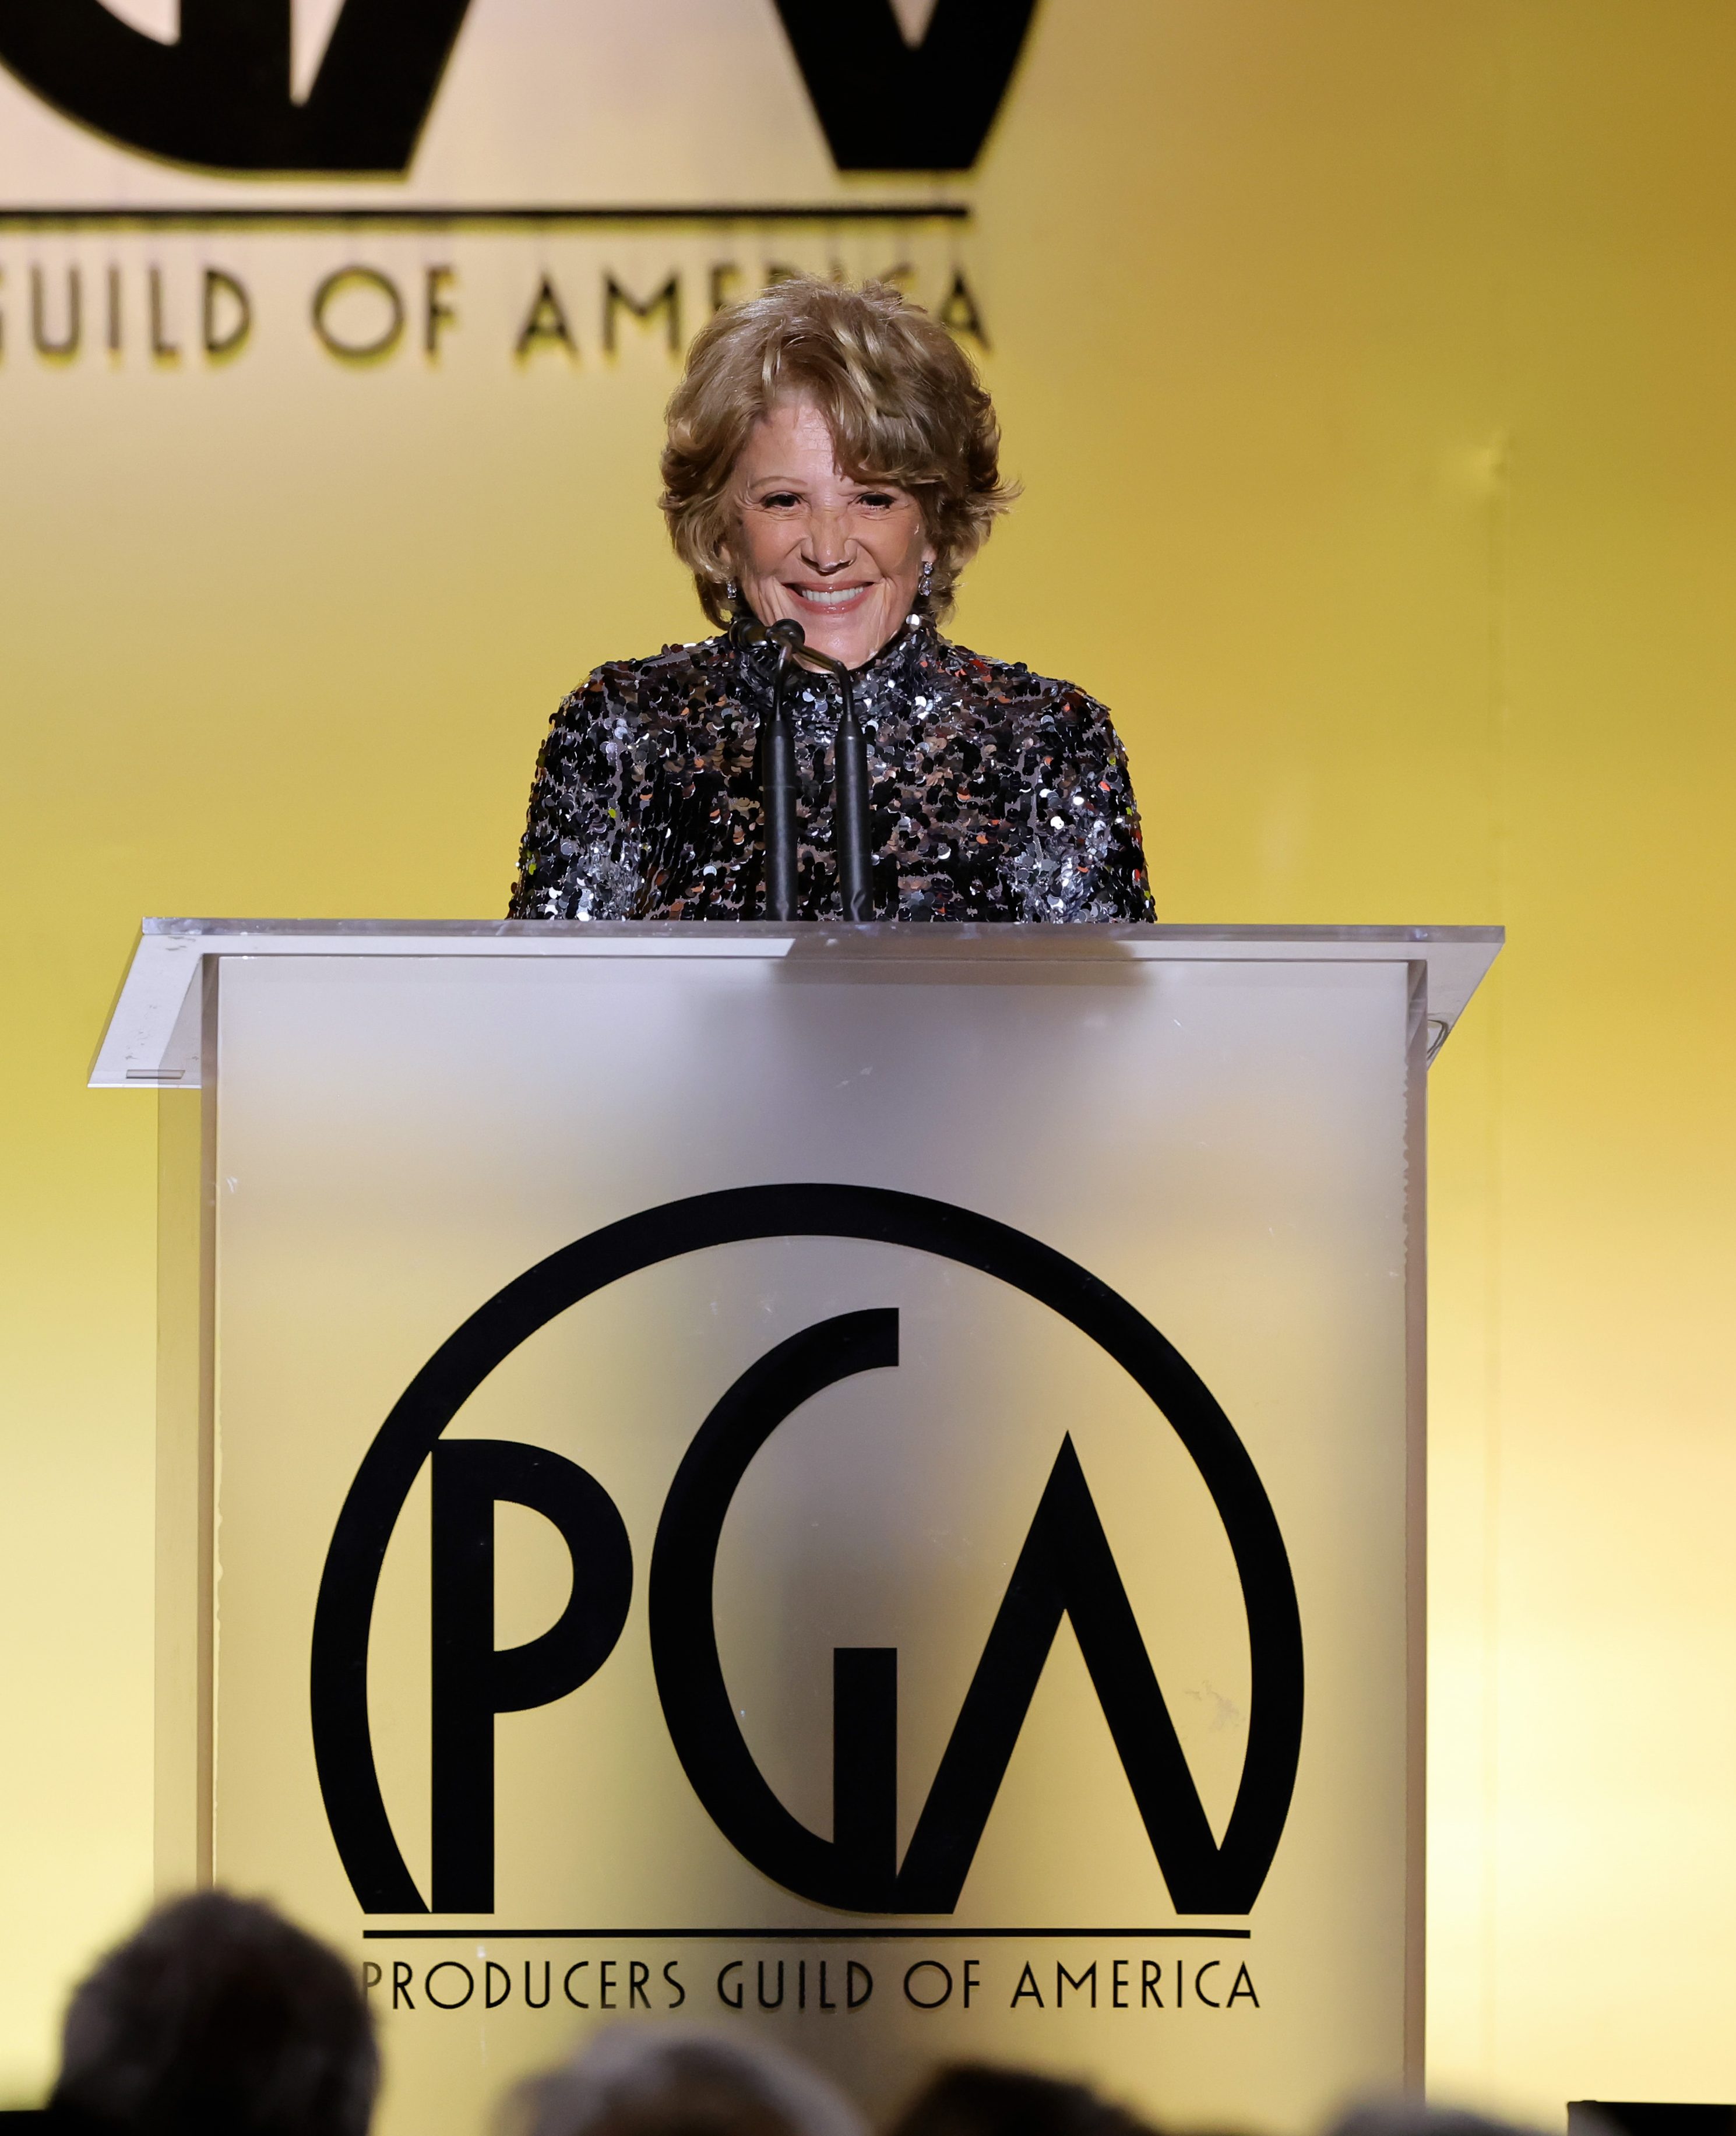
point(1065, 1568)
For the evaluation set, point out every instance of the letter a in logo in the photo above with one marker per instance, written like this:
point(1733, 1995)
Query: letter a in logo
point(220, 95)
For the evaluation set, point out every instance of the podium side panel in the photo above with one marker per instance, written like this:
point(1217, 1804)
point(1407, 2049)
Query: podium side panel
point(184, 1540)
point(1420, 1036)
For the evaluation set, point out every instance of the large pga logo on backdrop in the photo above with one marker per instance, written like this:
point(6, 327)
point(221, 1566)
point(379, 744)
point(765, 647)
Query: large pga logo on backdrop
point(219, 95)
point(1064, 1568)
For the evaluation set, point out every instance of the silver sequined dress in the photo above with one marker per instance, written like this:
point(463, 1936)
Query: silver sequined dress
point(997, 793)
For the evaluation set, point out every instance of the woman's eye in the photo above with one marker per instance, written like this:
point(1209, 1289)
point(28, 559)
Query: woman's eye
point(781, 500)
point(876, 500)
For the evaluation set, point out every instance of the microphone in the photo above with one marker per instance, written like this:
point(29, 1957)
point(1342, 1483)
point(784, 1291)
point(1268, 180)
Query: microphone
point(777, 765)
point(777, 780)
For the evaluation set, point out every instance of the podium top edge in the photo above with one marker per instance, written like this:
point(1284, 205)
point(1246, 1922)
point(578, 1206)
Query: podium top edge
point(1066, 941)
point(152, 1037)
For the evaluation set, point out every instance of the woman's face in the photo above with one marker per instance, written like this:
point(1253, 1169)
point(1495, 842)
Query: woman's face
point(841, 557)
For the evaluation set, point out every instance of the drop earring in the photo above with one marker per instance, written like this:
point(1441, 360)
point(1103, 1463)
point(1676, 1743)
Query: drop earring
point(733, 594)
point(925, 593)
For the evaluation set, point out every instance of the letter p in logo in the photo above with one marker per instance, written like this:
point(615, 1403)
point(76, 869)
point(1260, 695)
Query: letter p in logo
point(473, 1679)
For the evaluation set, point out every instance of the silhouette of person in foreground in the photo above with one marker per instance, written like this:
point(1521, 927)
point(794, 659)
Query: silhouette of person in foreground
point(976, 2098)
point(631, 2080)
point(218, 2018)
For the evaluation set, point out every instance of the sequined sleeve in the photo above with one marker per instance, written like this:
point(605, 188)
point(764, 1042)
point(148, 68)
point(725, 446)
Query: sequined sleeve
point(1083, 855)
point(579, 860)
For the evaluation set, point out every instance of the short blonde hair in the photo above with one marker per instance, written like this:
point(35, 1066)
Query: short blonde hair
point(902, 399)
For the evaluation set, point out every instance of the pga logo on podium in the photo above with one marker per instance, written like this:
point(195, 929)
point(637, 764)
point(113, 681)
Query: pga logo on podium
point(1064, 1568)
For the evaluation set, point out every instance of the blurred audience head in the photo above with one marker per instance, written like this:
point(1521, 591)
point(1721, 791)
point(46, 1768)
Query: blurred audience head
point(670, 2082)
point(972, 2099)
point(219, 2018)
point(1413, 2117)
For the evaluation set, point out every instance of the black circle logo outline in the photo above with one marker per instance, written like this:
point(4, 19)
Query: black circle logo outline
point(343, 1618)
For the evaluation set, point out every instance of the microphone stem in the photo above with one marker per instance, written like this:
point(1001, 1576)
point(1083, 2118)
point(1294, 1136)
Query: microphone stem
point(778, 792)
point(850, 810)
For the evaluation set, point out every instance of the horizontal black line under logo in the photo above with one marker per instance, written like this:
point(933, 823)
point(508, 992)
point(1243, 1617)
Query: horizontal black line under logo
point(785, 1935)
point(460, 217)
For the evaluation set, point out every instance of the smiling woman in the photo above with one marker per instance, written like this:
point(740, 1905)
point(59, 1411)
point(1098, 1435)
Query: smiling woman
point(832, 462)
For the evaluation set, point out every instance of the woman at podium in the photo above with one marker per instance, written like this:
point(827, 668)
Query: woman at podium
point(832, 459)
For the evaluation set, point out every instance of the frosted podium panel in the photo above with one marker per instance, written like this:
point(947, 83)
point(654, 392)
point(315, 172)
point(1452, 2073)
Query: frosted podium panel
point(869, 1499)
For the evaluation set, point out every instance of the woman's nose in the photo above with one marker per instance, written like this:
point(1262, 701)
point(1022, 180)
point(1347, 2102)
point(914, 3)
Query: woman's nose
point(828, 546)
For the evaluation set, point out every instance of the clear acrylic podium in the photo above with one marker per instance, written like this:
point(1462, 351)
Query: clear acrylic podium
point(865, 1483)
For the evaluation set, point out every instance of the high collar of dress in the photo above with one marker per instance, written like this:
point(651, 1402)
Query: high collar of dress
point(896, 660)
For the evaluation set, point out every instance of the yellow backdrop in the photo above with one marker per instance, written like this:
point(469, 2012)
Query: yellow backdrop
point(1368, 368)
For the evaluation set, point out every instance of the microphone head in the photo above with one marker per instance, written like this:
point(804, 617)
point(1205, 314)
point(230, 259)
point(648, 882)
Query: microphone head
point(788, 633)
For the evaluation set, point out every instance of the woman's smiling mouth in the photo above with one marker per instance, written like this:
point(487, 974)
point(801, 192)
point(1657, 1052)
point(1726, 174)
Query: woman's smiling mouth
point(831, 598)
